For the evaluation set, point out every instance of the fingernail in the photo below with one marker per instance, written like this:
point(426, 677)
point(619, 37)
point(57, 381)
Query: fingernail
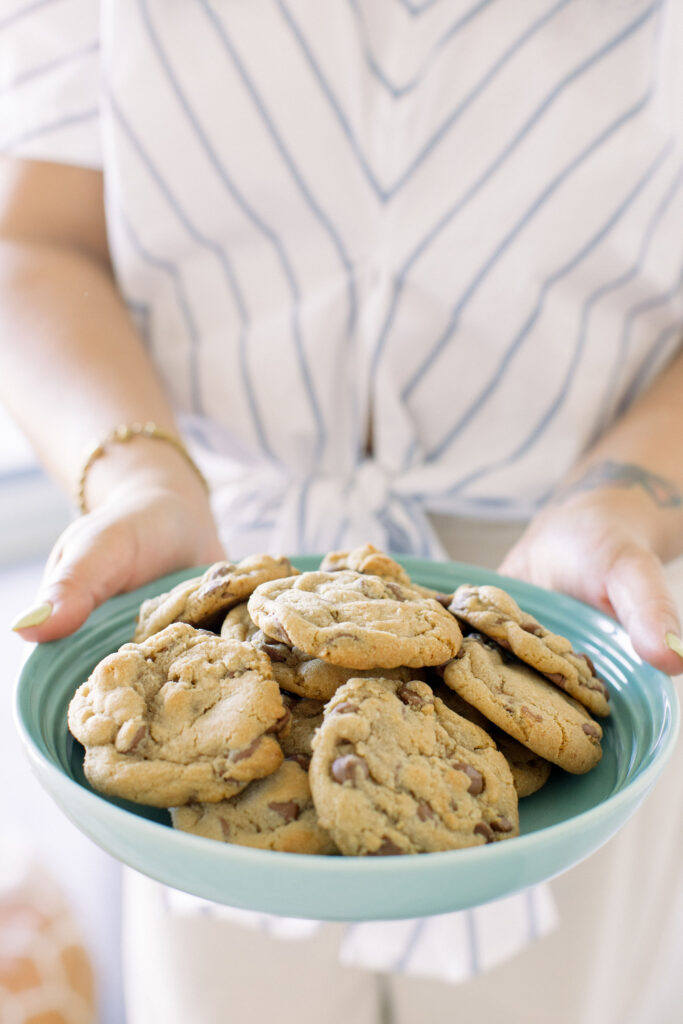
point(675, 643)
point(34, 616)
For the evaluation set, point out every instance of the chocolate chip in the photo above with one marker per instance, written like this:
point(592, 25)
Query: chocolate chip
point(225, 828)
point(396, 591)
point(139, 736)
point(276, 652)
point(345, 708)
point(387, 849)
point(596, 683)
point(424, 811)
point(278, 632)
point(219, 589)
point(477, 781)
point(289, 810)
point(588, 661)
point(530, 714)
point(534, 627)
point(301, 759)
point(246, 751)
point(591, 730)
point(218, 571)
point(557, 678)
point(348, 767)
point(502, 825)
point(482, 829)
point(444, 599)
point(412, 698)
point(282, 722)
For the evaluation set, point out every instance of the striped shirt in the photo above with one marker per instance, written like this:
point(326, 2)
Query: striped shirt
point(453, 225)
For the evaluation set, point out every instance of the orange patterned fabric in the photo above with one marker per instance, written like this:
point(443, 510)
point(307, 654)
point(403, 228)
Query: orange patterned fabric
point(46, 974)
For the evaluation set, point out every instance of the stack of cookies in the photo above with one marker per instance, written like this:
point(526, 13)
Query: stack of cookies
point(337, 711)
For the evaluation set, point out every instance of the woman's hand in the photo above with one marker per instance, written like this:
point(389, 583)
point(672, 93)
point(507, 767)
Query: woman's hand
point(142, 530)
point(600, 548)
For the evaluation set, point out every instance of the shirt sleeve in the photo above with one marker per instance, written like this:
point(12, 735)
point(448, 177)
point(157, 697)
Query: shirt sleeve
point(50, 80)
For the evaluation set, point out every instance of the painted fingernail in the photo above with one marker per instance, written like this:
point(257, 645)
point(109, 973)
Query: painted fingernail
point(675, 643)
point(35, 616)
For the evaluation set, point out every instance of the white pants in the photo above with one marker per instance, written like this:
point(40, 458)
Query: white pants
point(617, 957)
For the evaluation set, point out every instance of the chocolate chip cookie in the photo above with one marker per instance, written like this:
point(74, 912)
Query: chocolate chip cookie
point(395, 771)
point(491, 611)
point(529, 771)
point(524, 704)
point(293, 670)
point(368, 560)
point(182, 716)
point(275, 813)
point(371, 561)
point(238, 624)
point(356, 621)
point(204, 600)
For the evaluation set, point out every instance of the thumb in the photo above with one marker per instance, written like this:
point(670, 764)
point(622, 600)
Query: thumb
point(637, 590)
point(84, 575)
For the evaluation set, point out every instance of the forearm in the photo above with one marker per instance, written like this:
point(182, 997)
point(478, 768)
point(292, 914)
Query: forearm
point(637, 466)
point(72, 366)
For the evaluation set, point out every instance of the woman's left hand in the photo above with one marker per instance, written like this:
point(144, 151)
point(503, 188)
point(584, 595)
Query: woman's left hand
point(599, 548)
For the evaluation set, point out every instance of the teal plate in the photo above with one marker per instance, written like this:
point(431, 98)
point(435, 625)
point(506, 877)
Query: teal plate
point(566, 821)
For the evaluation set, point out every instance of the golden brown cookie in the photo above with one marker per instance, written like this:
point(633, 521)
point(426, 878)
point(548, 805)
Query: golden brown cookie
point(275, 813)
point(491, 611)
point(204, 600)
point(529, 771)
point(238, 624)
point(182, 716)
point(357, 621)
point(524, 704)
point(371, 561)
point(293, 670)
point(395, 771)
point(368, 560)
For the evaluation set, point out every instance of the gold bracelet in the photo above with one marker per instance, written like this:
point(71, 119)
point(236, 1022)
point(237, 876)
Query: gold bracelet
point(122, 434)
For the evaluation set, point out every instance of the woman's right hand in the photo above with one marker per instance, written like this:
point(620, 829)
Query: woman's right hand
point(143, 529)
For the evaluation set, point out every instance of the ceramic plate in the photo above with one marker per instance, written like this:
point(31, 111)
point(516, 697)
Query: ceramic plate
point(562, 824)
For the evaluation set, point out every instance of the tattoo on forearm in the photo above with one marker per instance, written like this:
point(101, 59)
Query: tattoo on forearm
point(663, 492)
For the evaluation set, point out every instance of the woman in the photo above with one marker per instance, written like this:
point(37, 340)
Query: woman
point(400, 273)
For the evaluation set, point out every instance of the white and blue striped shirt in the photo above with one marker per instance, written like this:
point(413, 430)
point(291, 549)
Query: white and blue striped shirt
point(452, 226)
